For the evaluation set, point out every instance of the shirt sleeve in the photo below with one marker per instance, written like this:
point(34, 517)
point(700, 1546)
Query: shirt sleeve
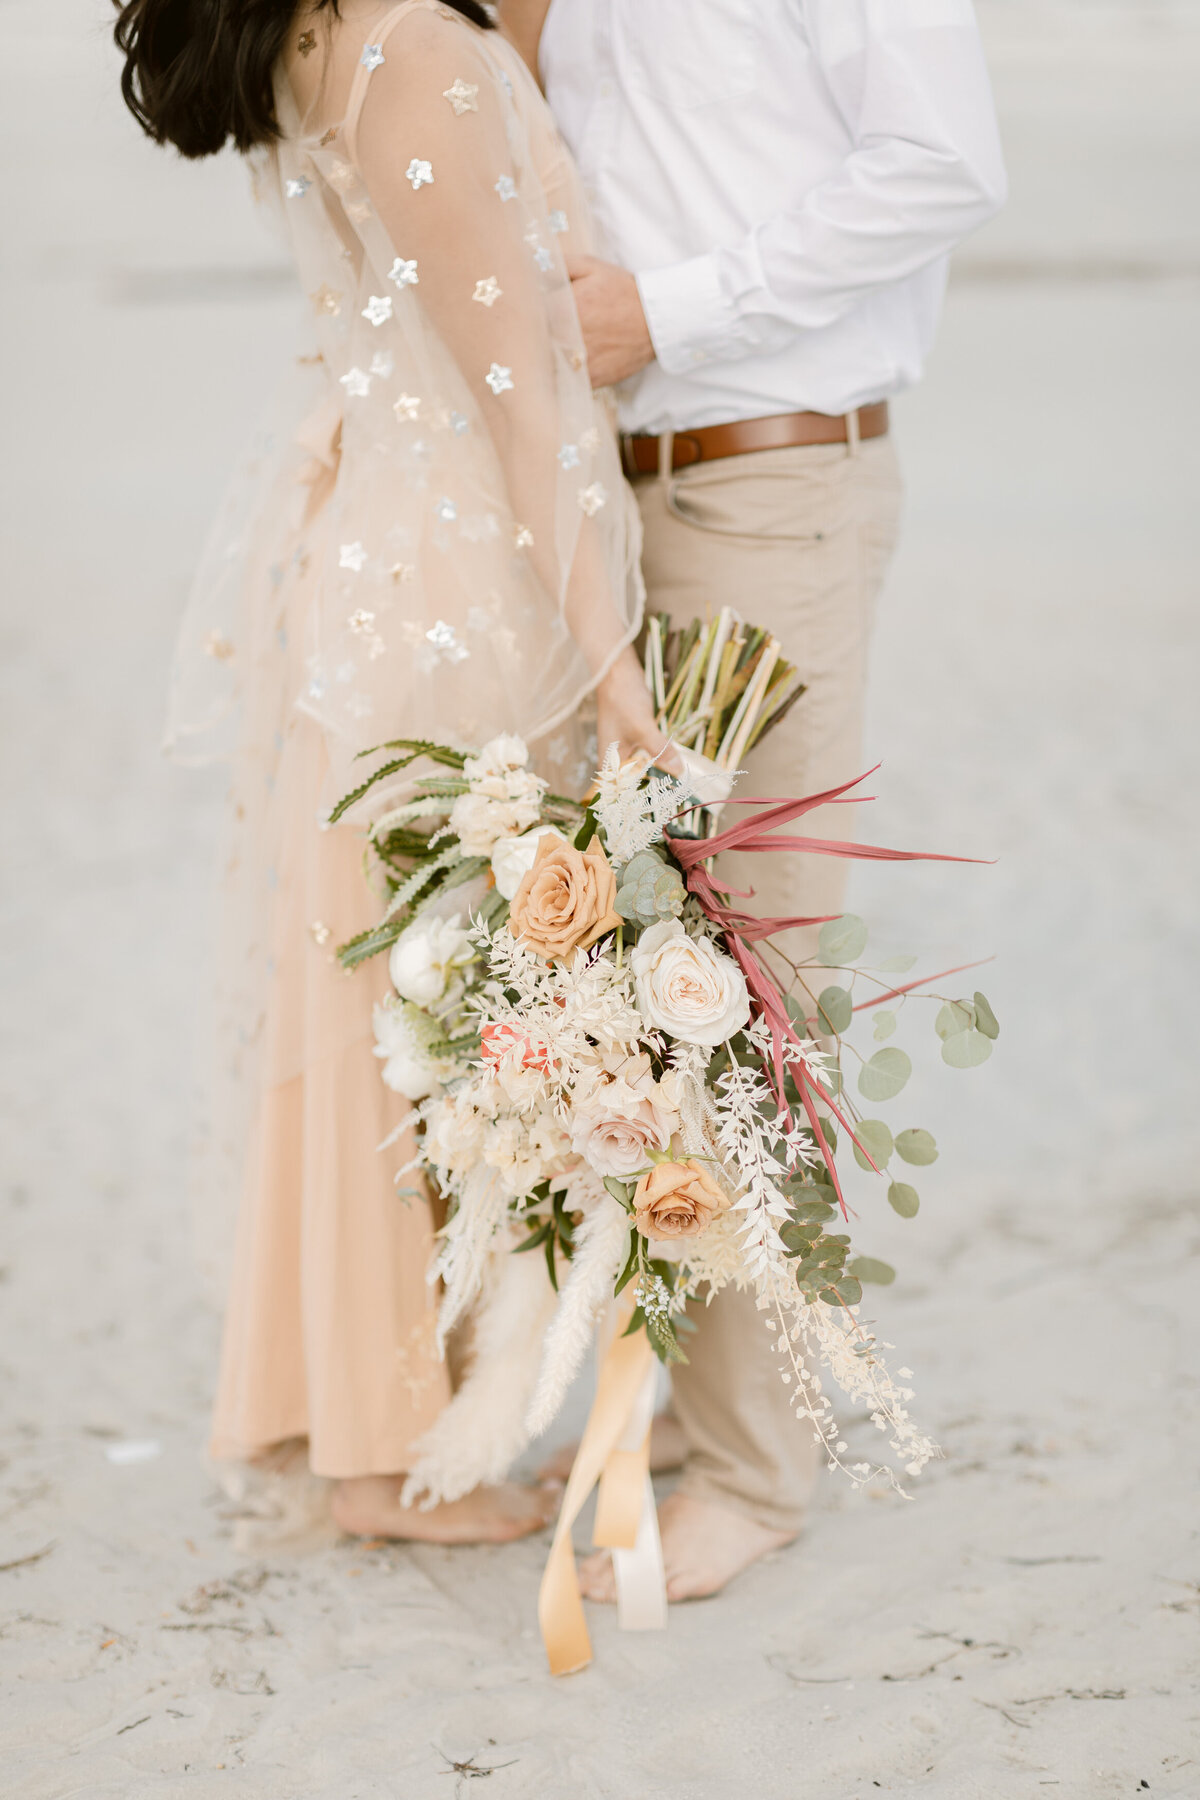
point(924, 170)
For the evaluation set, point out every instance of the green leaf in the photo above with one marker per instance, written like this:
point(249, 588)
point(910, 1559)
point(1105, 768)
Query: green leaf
point(630, 1269)
point(904, 1200)
point(869, 1268)
point(953, 1018)
point(834, 1010)
point(621, 1191)
point(895, 965)
point(813, 1212)
point(917, 1147)
point(885, 1024)
point(885, 1074)
point(848, 1292)
point(842, 940)
point(985, 1019)
point(535, 1238)
point(966, 1050)
point(876, 1138)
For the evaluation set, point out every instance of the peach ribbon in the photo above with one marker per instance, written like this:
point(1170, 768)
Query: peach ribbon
point(614, 1450)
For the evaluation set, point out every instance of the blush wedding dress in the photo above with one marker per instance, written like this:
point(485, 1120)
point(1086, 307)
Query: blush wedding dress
point(432, 540)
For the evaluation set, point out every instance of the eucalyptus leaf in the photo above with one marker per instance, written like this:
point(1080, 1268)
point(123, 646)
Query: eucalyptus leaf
point(848, 1292)
point(885, 1024)
point(842, 940)
point(917, 1147)
point(904, 1200)
point(869, 1268)
point(966, 1050)
point(885, 1074)
point(985, 1019)
point(953, 1018)
point(895, 965)
point(876, 1139)
point(835, 1009)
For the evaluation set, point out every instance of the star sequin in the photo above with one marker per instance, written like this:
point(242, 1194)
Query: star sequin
point(359, 211)
point(402, 572)
point(352, 556)
point(372, 57)
point(522, 537)
point(592, 498)
point(407, 407)
point(576, 359)
point(488, 291)
point(419, 173)
point(568, 456)
point(306, 43)
point(296, 190)
point(589, 439)
point(218, 646)
point(329, 136)
point(506, 187)
point(403, 273)
point(321, 932)
point(361, 622)
point(463, 96)
point(558, 221)
point(357, 383)
point(499, 379)
point(382, 363)
point(459, 423)
point(378, 310)
point(446, 510)
point(341, 177)
point(543, 258)
point(444, 639)
point(326, 303)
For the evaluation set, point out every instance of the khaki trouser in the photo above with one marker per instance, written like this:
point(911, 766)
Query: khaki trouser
point(798, 541)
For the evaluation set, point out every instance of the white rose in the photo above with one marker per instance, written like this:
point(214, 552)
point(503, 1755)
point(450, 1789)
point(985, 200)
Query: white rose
point(404, 1070)
point(513, 857)
point(425, 957)
point(686, 987)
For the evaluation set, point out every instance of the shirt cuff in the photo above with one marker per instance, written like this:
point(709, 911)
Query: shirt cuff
point(689, 317)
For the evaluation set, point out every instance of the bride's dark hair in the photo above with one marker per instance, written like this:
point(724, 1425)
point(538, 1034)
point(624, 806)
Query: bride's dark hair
point(199, 72)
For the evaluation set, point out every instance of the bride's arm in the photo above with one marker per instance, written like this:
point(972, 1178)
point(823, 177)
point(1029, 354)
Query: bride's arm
point(492, 285)
point(522, 22)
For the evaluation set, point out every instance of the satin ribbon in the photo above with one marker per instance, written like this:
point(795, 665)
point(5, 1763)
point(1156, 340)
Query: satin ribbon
point(614, 1450)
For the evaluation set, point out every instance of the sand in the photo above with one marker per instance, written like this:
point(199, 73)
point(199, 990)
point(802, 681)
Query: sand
point(1026, 1623)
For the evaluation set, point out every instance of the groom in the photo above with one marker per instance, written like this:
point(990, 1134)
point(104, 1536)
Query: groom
point(778, 189)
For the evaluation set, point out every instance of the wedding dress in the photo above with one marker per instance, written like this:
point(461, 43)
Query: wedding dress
point(433, 540)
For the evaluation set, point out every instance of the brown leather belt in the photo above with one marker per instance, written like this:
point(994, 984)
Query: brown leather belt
point(640, 454)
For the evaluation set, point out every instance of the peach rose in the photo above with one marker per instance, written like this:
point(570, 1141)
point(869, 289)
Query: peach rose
point(566, 901)
point(677, 1200)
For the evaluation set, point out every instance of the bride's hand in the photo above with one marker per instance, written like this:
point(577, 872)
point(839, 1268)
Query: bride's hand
point(625, 715)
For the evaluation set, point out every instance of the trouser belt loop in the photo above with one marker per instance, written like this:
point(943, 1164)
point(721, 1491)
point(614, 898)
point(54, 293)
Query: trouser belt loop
point(853, 433)
point(666, 456)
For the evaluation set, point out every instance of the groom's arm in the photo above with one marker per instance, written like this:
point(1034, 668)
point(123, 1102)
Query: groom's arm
point(925, 170)
point(521, 22)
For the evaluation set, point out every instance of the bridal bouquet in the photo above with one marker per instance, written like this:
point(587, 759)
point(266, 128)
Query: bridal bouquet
point(614, 1082)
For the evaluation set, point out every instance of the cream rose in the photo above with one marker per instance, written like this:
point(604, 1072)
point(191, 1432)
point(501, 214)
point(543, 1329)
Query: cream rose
point(426, 956)
point(624, 1117)
point(566, 901)
point(686, 987)
point(677, 1200)
point(513, 857)
point(479, 822)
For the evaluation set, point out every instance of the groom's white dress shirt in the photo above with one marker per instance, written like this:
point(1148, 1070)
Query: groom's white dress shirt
point(786, 179)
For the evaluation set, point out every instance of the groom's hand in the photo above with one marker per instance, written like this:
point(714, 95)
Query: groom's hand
point(615, 333)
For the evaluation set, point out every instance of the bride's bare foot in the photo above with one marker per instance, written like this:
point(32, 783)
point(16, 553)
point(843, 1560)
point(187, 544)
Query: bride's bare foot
point(668, 1448)
point(704, 1547)
point(369, 1506)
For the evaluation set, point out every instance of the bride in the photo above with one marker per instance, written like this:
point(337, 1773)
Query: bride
point(432, 541)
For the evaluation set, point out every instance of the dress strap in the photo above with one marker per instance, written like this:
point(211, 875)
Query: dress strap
point(371, 58)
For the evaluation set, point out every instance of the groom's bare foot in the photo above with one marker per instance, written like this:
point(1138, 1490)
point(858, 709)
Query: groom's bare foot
point(668, 1448)
point(704, 1547)
point(369, 1506)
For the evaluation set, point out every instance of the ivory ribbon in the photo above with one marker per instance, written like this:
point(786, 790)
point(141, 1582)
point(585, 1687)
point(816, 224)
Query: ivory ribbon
point(614, 1449)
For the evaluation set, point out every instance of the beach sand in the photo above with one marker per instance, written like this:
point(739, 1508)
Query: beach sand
point(1026, 1622)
